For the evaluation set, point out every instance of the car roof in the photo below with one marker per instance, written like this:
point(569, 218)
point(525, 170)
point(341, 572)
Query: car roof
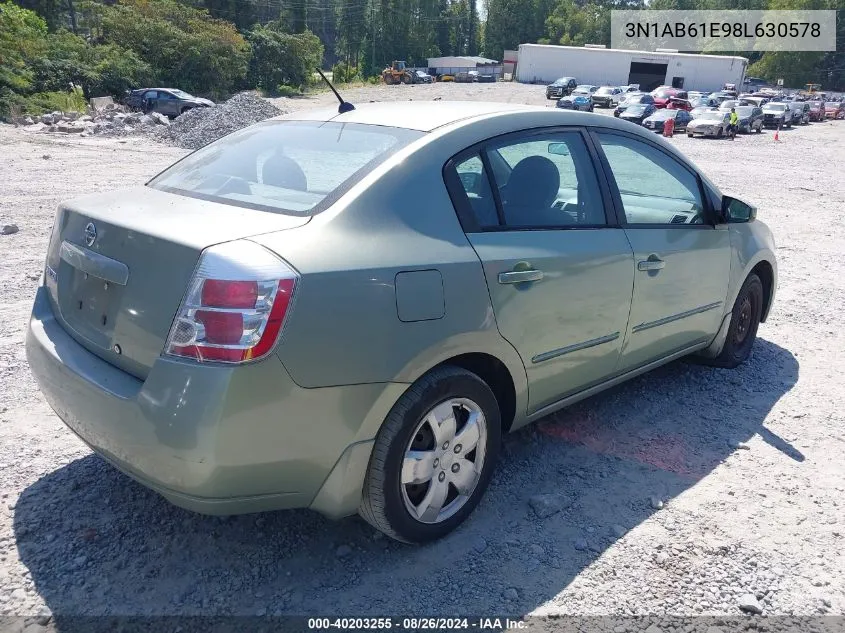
point(423, 116)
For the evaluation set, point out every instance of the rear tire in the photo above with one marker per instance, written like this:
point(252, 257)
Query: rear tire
point(389, 501)
point(745, 319)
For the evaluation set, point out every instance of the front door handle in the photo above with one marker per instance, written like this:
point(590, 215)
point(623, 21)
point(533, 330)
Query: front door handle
point(520, 276)
point(652, 263)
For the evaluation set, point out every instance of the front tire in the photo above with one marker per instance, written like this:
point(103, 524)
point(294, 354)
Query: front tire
point(745, 319)
point(433, 457)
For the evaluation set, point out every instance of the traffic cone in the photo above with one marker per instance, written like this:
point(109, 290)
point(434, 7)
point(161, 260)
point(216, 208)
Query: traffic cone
point(777, 137)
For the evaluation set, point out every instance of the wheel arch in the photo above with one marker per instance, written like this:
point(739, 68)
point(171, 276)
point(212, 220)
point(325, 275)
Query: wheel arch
point(496, 362)
point(764, 270)
point(497, 376)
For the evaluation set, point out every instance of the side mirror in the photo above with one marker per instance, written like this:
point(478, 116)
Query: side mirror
point(560, 149)
point(735, 210)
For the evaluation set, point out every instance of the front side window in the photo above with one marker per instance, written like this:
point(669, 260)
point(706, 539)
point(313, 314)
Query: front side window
point(294, 167)
point(653, 186)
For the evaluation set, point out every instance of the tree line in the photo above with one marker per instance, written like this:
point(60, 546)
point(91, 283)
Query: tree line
point(213, 47)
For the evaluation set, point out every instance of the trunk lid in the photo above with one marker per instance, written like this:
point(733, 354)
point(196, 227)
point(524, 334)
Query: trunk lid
point(119, 265)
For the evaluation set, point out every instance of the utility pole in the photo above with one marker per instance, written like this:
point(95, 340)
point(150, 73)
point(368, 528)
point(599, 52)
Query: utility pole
point(373, 22)
point(471, 47)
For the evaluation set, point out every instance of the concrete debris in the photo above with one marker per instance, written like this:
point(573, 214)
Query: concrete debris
point(101, 103)
point(191, 130)
point(8, 229)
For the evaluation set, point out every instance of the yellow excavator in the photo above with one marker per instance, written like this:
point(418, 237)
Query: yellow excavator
point(396, 73)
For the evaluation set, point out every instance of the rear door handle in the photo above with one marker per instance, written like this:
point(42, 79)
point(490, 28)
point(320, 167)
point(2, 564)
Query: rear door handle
point(652, 263)
point(520, 276)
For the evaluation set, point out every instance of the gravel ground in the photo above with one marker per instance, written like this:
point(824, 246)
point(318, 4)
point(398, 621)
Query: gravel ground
point(687, 491)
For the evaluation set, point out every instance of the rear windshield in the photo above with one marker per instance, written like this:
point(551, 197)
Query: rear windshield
point(291, 167)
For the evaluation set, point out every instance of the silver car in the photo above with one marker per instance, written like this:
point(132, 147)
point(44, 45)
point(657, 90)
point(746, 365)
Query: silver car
point(345, 311)
point(710, 123)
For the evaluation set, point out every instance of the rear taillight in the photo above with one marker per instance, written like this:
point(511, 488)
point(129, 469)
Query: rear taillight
point(235, 307)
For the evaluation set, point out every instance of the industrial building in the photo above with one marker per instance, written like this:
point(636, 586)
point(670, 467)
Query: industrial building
point(541, 63)
point(462, 63)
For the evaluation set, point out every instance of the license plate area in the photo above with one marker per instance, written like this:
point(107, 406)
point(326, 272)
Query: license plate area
point(88, 304)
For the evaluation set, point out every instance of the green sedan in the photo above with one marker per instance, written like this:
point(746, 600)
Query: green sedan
point(346, 312)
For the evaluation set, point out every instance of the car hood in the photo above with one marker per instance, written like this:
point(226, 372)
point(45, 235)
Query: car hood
point(703, 123)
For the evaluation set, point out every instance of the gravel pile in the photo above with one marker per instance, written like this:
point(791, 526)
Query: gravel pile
point(201, 126)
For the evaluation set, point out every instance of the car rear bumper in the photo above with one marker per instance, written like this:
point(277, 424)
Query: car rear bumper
point(213, 439)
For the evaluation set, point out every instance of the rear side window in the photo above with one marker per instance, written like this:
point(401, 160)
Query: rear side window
point(532, 181)
point(293, 167)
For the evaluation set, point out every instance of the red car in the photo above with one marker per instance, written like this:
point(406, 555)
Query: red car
point(678, 104)
point(834, 110)
point(816, 111)
point(663, 94)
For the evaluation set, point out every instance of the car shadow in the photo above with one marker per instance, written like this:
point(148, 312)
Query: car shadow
point(97, 543)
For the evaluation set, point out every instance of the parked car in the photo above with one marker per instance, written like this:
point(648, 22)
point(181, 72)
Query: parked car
point(631, 88)
point(637, 112)
point(631, 99)
point(704, 102)
point(692, 95)
point(656, 120)
point(675, 103)
point(585, 90)
point(721, 96)
point(777, 115)
point(817, 111)
point(238, 351)
point(575, 102)
point(486, 77)
point(663, 94)
point(607, 96)
point(168, 101)
point(713, 123)
point(796, 109)
point(422, 77)
point(561, 88)
point(750, 119)
point(727, 104)
point(834, 110)
point(755, 100)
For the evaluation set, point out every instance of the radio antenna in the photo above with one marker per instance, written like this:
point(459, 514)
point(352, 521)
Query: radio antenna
point(344, 106)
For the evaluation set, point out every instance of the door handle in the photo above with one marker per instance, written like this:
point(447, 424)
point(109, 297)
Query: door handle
point(520, 276)
point(652, 263)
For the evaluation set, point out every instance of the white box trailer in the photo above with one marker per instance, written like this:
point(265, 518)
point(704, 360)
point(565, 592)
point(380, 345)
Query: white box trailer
point(542, 63)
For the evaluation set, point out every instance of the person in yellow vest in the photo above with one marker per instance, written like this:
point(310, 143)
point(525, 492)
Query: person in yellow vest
point(734, 124)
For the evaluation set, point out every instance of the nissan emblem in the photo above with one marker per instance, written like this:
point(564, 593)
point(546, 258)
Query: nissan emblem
point(90, 234)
